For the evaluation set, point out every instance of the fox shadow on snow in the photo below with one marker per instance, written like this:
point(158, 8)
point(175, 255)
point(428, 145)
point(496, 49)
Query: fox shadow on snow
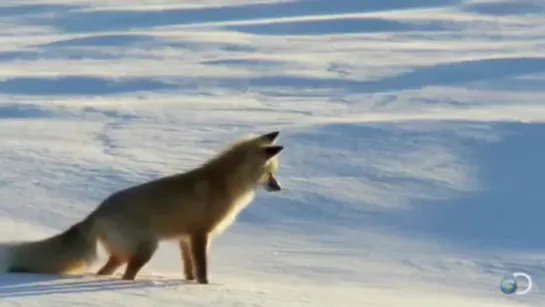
point(27, 284)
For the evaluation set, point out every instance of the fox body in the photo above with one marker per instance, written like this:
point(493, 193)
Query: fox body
point(190, 207)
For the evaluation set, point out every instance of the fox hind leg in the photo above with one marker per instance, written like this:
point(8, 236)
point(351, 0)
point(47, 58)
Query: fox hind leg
point(138, 259)
point(111, 265)
point(189, 271)
point(198, 244)
point(117, 257)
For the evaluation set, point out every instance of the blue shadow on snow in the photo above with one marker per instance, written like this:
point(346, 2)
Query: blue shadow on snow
point(510, 211)
point(444, 74)
point(334, 26)
point(79, 85)
point(114, 20)
point(505, 9)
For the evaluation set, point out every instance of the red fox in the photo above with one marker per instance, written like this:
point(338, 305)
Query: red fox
point(190, 207)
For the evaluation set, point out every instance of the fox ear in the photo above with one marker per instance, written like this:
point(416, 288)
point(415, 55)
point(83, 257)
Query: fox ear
point(272, 151)
point(270, 137)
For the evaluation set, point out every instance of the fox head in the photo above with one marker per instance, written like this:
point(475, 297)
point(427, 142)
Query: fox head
point(251, 162)
point(268, 179)
point(267, 160)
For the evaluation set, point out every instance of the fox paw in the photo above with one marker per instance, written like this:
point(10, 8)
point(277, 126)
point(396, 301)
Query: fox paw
point(202, 281)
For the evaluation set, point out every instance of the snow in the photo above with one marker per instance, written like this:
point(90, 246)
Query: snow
point(414, 136)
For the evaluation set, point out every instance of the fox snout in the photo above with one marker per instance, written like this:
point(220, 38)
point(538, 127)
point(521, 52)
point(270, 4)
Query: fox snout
point(272, 185)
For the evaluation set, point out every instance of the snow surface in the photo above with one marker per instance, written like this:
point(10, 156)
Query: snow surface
point(414, 134)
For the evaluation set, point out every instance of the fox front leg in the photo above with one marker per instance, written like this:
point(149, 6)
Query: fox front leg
point(187, 261)
point(199, 247)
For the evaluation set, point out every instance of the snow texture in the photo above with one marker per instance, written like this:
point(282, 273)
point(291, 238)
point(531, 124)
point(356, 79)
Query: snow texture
point(414, 134)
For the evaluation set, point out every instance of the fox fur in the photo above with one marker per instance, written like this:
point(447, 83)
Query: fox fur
point(190, 207)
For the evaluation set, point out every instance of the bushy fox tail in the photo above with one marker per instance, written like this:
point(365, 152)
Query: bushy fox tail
point(71, 251)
